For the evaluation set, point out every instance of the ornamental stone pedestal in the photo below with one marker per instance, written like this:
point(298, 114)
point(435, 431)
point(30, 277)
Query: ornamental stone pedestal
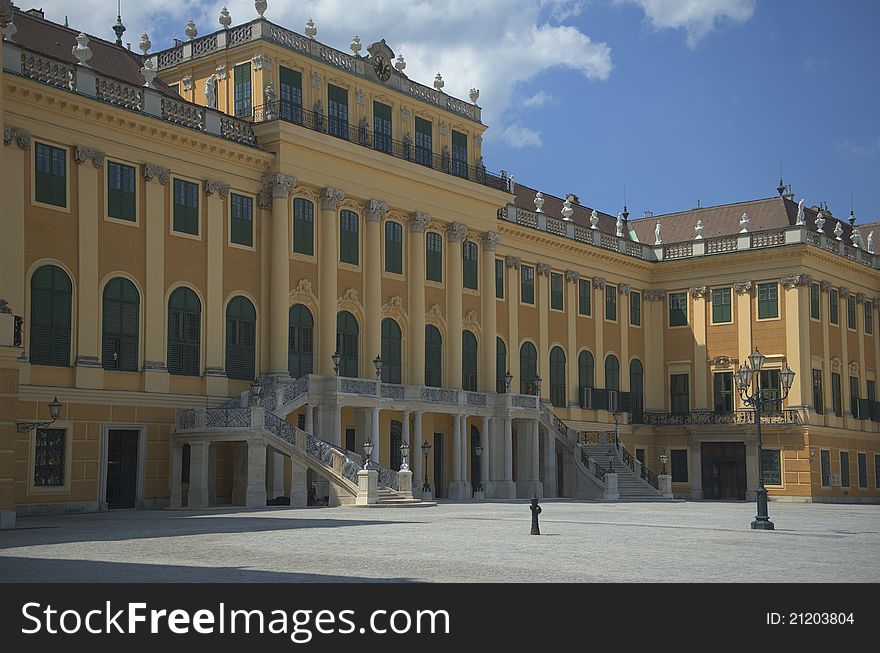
point(664, 484)
point(611, 493)
point(405, 480)
point(368, 487)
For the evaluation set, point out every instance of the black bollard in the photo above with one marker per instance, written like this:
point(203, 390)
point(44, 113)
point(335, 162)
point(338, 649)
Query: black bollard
point(536, 510)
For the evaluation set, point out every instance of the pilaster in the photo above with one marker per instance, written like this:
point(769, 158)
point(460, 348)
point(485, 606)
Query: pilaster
point(572, 281)
point(376, 212)
point(156, 179)
point(15, 162)
point(331, 198)
point(215, 350)
point(513, 271)
point(279, 187)
point(543, 273)
point(489, 311)
point(418, 222)
point(701, 356)
point(455, 233)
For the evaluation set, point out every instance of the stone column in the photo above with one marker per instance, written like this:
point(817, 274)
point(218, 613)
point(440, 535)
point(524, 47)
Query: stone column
point(599, 320)
point(508, 486)
point(89, 373)
point(543, 283)
point(299, 491)
point(279, 186)
point(156, 377)
point(176, 465)
point(327, 286)
point(376, 212)
point(485, 442)
point(550, 489)
point(15, 162)
point(845, 394)
point(572, 279)
point(455, 233)
point(417, 224)
point(702, 399)
point(375, 436)
point(310, 419)
point(198, 475)
point(455, 485)
point(490, 241)
point(536, 459)
point(255, 495)
point(415, 452)
point(465, 457)
point(404, 439)
point(215, 347)
point(695, 471)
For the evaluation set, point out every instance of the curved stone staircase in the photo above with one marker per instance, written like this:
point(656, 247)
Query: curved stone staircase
point(630, 485)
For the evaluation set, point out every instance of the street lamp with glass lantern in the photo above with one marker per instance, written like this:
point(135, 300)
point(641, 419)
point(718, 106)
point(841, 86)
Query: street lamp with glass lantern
point(508, 378)
point(478, 451)
point(377, 363)
point(426, 449)
point(54, 412)
point(537, 385)
point(368, 451)
point(256, 391)
point(404, 454)
point(337, 357)
point(663, 459)
point(749, 374)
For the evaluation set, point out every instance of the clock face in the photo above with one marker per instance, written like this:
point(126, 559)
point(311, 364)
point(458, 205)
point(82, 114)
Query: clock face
point(382, 68)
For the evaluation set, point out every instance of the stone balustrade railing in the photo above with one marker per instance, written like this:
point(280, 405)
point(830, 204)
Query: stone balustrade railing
point(792, 235)
point(141, 99)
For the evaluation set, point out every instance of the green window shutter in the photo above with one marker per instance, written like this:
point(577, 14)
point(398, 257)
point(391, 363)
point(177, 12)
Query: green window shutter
point(678, 309)
point(120, 327)
point(348, 235)
point(300, 341)
point(499, 279)
point(851, 312)
point(557, 378)
point(347, 332)
point(186, 207)
point(469, 361)
point(121, 191)
point(814, 301)
point(243, 100)
point(242, 220)
point(557, 291)
point(382, 127)
point(434, 258)
point(184, 333)
point(433, 357)
point(585, 293)
point(768, 301)
point(391, 352)
point(393, 247)
point(869, 317)
point(527, 284)
point(303, 227)
point(51, 305)
point(459, 154)
point(834, 306)
point(721, 305)
point(611, 303)
point(241, 318)
point(528, 368)
point(635, 308)
point(424, 142)
point(469, 263)
point(500, 366)
point(337, 111)
point(50, 177)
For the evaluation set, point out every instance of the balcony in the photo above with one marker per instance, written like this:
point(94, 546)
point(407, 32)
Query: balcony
point(360, 135)
point(743, 417)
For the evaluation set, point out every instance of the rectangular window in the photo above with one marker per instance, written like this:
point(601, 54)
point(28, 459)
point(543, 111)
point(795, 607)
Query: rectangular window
point(49, 458)
point(424, 142)
point(585, 296)
point(723, 392)
point(678, 309)
point(771, 467)
point(825, 463)
point(721, 306)
point(121, 191)
point(818, 396)
point(393, 247)
point(382, 127)
point(844, 469)
point(877, 471)
point(337, 111)
point(854, 396)
point(635, 308)
point(611, 303)
point(851, 312)
point(835, 394)
point(679, 394)
point(527, 285)
point(241, 77)
point(469, 263)
point(815, 294)
point(869, 318)
point(834, 307)
point(434, 258)
point(303, 227)
point(348, 237)
point(499, 278)
point(863, 469)
point(186, 207)
point(50, 182)
point(768, 301)
point(459, 154)
point(679, 460)
point(557, 291)
point(771, 390)
point(291, 95)
point(242, 225)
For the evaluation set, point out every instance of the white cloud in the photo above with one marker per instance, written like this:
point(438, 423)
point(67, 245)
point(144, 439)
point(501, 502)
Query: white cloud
point(539, 99)
point(698, 17)
point(492, 45)
point(850, 149)
point(519, 136)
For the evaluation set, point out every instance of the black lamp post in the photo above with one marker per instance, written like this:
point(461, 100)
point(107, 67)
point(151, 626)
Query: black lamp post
point(54, 412)
point(256, 391)
point(663, 459)
point(478, 450)
point(426, 449)
point(750, 374)
point(508, 378)
point(404, 454)
point(368, 451)
point(377, 363)
point(537, 385)
point(336, 358)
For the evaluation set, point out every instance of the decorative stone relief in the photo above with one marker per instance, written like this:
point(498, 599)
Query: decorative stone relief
point(376, 211)
point(490, 241)
point(394, 305)
point(349, 299)
point(514, 262)
point(212, 186)
point(572, 276)
point(21, 137)
point(599, 282)
point(471, 320)
point(153, 171)
point(443, 128)
point(331, 198)
point(406, 114)
point(316, 79)
point(844, 293)
point(836, 365)
point(654, 295)
point(279, 184)
point(838, 231)
point(723, 361)
point(861, 297)
point(698, 292)
point(188, 83)
point(221, 71)
point(825, 286)
point(796, 280)
point(304, 293)
point(361, 97)
point(624, 289)
point(742, 287)
point(418, 222)
point(82, 154)
point(853, 368)
point(434, 314)
point(261, 60)
point(456, 231)
point(543, 270)
point(264, 199)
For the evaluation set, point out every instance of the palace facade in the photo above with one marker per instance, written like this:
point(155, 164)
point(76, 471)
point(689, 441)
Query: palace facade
point(254, 206)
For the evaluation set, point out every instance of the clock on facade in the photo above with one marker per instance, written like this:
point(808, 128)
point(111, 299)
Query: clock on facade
point(382, 68)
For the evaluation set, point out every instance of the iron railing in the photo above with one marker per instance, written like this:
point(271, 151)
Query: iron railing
point(711, 418)
point(360, 135)
point(17, 330)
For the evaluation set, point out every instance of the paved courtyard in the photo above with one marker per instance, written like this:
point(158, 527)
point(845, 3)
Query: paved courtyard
point(454, 542)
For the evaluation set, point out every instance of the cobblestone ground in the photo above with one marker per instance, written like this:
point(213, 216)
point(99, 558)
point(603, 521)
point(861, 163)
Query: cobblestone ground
point(454, 542)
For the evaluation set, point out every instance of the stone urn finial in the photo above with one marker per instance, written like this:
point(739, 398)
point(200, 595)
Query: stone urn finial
point(838, 231)
point(311, 31)
point(820, 222)
point(225, 19)
point(744, 223)
point(81, 50)
point(594, 220)
point(539, 202)
point(698, 230)
point(400, 64)
point(567, 210)
point(474, 95)
point(145, 43)
point(356, 45)
point(260, 6)
point(191, 31)
point(438, 82)
point(855, 237)
point(149, 72)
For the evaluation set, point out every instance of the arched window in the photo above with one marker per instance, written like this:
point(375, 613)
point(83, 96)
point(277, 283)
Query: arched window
point(396, 454)
point(557, 377)
point(119, 338)
point(391, 359)
point(300, 341)
point(476, 479)
point(528, 368)
point(241, 339)
point(500, 366)
point(51, 302)
point(586, 378)
point(433, 357)
point(184, 332)
point(612, 372)
point(469, 264)
point(347, 343)
point(393, 247)
point(636, 389)
point(468, 361)
point(348, 237)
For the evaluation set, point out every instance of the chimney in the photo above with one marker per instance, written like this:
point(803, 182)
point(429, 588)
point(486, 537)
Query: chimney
point(649, 214)
point(36, 13)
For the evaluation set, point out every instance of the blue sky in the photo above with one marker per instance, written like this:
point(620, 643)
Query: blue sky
point(678, 100)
